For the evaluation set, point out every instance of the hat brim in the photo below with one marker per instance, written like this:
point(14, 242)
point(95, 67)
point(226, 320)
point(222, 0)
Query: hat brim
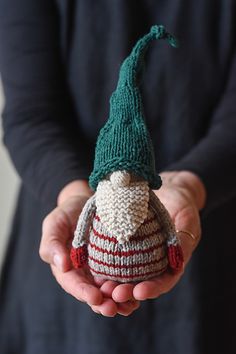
point(141, 170)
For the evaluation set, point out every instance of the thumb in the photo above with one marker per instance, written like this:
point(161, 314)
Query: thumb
point(187, 223)
point(56, 232)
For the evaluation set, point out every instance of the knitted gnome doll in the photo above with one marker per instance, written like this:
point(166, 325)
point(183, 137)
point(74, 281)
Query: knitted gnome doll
point(124, 232)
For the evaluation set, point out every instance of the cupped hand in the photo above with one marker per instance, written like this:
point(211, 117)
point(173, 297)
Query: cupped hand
point(57, 234)
point(183, 196)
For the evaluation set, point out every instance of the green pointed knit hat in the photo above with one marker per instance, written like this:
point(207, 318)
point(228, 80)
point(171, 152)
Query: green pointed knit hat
point(124, 142)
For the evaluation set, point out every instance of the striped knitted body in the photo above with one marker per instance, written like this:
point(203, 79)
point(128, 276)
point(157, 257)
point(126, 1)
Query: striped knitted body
point(143, 256)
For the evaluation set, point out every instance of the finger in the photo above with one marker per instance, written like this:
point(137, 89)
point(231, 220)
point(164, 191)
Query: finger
point(95, 310)
point(55, 233)
point(151, 289)
point(127, 308)
point(99, 281)
point(188, 219)
point(146, 290)
point(123, 292)
point(78, 285)
point(108, 308)
point(108, 287)
point(188, 245)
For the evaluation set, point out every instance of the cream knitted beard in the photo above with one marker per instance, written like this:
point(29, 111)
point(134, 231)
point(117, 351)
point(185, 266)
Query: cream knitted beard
point(122, 209)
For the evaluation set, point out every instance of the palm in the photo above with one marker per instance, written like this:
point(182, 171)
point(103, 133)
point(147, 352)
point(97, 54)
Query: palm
point(105, 296)
point(186, 217)
point(58, 230)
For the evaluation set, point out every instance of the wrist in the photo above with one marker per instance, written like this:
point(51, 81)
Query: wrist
point(74, 188)
point(188, 181)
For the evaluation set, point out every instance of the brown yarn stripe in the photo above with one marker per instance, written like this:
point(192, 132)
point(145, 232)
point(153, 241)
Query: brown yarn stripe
point(126, 253)
point(130, 276)
point(125, 266)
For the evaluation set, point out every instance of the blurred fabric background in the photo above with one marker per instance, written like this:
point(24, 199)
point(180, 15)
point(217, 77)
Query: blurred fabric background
point(9, 182)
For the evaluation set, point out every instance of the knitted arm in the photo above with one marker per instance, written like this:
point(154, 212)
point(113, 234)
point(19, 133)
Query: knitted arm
point(175, 254)
point(84, 222)
point(79, 252)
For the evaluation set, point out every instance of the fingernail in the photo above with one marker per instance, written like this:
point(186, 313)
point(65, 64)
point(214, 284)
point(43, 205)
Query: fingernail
point(57, 260)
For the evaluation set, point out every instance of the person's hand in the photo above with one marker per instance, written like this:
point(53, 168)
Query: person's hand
point(57, 234)
point(183, 195)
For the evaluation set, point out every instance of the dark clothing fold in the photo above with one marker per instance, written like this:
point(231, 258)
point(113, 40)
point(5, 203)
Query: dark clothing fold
point(59, 63)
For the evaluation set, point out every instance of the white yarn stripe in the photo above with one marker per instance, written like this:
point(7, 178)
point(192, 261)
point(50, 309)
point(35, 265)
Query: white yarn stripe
point(130, 271)
point(109, 258)
point(152, 241)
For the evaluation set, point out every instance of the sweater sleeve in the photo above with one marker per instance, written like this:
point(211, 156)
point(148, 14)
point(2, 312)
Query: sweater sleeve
point(40, 128)
point(213, 159)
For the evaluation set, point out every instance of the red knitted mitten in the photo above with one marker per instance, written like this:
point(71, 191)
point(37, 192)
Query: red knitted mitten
point(175, 257)
point(79, 256)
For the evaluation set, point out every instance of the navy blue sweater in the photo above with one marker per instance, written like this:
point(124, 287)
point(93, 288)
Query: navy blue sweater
point(59, 63)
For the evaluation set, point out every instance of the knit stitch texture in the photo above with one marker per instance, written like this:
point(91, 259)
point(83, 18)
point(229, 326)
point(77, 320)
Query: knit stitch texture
point(142, 257)
point(124, 142)
point(122, 209)
point(124, 232)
